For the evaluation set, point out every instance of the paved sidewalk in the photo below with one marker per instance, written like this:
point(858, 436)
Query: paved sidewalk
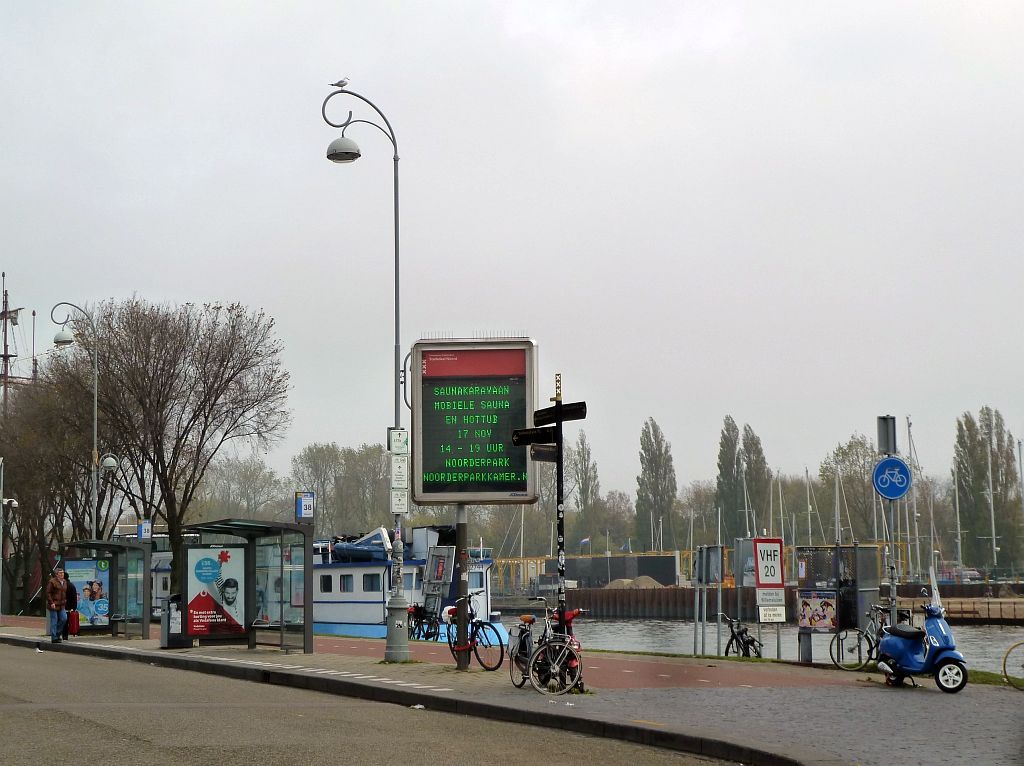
point(764, 713)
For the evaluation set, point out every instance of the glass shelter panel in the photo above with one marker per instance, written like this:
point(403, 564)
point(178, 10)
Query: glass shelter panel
point(131, 583)
point(280, 591)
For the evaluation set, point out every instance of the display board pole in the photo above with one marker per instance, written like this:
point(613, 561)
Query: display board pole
point(462, 554)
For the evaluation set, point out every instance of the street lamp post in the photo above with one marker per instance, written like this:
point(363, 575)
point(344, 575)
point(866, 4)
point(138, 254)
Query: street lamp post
point(65, 337)
point(344, 150)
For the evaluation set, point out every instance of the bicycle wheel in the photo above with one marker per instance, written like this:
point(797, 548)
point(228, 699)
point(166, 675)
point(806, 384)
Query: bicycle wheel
point(555, 668)
point(850, 649)
point(519, 659)
point(487, 646)
point(753, 648)
point(732, 648)
point(453, 635)
point(1013, 666)
point(430, 629)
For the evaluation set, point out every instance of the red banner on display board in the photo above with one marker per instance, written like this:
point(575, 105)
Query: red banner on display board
point(496, 362)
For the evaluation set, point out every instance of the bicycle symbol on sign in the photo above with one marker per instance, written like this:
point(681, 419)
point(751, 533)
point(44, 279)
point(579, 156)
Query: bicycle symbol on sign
point(892, 476)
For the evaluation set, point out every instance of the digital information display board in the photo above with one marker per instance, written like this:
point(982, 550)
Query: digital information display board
point(468, 397)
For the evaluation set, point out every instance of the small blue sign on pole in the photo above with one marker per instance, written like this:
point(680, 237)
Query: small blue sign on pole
point(892, 478)
point(304, 505)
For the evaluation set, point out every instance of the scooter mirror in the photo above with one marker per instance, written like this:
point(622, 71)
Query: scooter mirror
point(924, 592)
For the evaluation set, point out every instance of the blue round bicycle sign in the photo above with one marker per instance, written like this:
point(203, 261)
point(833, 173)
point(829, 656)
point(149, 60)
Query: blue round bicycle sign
point(892, 478)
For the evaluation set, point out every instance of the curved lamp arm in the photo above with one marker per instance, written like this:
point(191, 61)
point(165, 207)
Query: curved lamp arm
point(67, 317)
point(390, 133)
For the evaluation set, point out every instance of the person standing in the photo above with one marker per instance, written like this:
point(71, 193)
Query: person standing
point(56, 600)
point(70, 605)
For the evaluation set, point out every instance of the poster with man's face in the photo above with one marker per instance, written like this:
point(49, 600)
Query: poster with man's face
point(215, 591)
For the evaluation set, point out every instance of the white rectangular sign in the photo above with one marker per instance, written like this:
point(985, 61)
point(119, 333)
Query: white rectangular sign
point(771, 596)
point(398, 441)
point(399, 502)
point(771, 614)
point(400, 472)
point(768, 563)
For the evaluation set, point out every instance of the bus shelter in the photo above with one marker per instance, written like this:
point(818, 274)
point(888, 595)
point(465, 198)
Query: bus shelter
point(113, 581)
point(250, 582)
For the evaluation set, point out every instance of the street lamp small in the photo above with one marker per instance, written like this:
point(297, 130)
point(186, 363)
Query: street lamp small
point(65, 337)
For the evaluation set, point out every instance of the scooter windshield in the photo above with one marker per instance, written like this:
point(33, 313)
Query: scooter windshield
point(936, 598)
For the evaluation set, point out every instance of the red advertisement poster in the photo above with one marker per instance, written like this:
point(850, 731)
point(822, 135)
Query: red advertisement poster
point(215, 591)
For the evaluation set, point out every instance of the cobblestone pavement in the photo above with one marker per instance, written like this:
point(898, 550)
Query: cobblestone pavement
point(808, 715)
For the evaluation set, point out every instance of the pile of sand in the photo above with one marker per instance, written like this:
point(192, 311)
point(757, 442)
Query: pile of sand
point(642, 582)
point(622, 582)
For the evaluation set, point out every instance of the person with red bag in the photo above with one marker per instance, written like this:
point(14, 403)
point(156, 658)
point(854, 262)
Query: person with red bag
point(71, 604)
point(56, 598)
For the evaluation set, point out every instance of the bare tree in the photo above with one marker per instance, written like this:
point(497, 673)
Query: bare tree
point(244, 488)
point(182, 383)
point(317, 469)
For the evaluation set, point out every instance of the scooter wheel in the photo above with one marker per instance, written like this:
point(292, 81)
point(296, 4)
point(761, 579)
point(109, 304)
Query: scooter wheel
point(951, 676)
point(894, 680)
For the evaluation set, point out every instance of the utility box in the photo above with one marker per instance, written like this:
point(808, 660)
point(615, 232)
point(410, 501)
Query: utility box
point(743, 573)
point(836, 585)
point(172, 632)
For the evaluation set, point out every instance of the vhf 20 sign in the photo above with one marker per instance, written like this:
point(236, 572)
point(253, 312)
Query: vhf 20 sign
point(768, 571)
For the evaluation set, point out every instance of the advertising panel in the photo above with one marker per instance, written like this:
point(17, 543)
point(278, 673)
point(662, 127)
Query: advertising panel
point(215, 590)
point(468, 398)
point(816, 609)
point(91, 578)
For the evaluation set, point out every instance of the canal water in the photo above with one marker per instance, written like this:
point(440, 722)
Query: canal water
point(983, 646)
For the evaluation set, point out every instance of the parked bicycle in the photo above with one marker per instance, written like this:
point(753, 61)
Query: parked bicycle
point(853, 648)
point(555, 666)
point(483, 639)
point(520, 650)
point(423, 625)
point(741, 643)
point(1013, 666)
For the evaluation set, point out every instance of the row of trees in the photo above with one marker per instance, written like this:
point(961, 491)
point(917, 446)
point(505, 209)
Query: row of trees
point(191, 396)
point(745, 497)
point(178, 385)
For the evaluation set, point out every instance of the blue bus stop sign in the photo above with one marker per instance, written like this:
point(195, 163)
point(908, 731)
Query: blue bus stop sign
point(891, 478)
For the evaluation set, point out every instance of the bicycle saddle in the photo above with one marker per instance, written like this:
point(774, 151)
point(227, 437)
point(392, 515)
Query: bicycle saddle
point(902, 630)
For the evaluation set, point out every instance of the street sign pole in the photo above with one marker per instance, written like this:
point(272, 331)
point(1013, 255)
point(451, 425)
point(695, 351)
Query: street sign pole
point(892, 479)
point(541, 437)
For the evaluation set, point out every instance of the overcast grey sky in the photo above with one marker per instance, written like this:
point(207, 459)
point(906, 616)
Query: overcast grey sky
point(800, 214)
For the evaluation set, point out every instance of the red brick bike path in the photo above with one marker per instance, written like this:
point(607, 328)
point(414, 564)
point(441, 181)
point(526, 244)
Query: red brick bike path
point(602, 670)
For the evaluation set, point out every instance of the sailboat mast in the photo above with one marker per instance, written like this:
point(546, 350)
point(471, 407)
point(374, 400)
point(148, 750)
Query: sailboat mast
point(913, 489)
point(7, 358)
point(807, 483)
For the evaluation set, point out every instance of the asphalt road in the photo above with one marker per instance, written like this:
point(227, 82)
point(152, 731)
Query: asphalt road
point(65, 709)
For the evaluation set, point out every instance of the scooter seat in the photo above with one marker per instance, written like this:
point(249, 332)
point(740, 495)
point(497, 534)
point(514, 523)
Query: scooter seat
point(902, 630)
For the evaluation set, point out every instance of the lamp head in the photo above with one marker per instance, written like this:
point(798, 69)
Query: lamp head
point(11, 503)
point(64, 337)
point(343, 149)
point(109, 463)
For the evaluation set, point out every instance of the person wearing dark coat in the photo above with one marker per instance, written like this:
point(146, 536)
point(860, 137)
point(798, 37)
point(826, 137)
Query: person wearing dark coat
point(71, 604)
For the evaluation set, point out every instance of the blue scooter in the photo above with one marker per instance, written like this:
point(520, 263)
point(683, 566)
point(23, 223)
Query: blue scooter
point(906, 651)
